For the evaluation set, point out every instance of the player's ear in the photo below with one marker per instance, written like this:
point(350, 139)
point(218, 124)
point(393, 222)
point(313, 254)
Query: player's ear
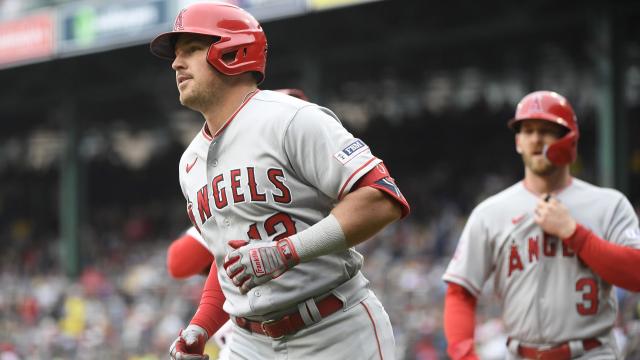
point(518, 149)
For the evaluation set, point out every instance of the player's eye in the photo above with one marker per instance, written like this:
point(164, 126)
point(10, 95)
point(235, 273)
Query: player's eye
point(190, 49)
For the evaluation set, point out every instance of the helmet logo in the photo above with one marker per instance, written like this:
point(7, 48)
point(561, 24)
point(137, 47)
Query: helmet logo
point(537, 106)
point(178, 24)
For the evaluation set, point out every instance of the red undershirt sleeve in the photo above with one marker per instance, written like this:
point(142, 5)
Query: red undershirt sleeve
point(459, 322)
point(614, 263)
point(210, 314)
point(187, 257)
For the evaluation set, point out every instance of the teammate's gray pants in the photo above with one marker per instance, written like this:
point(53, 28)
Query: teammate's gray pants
point(360, 331)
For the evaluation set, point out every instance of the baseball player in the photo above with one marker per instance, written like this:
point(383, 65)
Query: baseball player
point(189, 255)
point(556, 246)
point(281, 193)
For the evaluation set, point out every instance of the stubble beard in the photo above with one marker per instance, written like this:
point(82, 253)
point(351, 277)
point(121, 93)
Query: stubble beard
point(539, 166)
point(196, 97)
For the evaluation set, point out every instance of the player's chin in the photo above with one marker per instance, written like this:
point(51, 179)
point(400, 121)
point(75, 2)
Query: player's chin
point(186, 99)
point(542, 167)
point(538, 164)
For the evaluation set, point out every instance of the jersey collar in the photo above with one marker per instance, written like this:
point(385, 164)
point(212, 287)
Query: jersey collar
point(205, 129)
point(556, 192)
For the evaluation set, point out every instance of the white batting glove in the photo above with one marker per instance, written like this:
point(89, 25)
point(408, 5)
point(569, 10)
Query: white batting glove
point(253, 264)
point(190, 344)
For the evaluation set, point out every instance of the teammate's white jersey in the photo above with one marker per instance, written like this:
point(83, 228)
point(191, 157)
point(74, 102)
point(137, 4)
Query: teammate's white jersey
point(275, 168)
point(194, 233)
point(548, 295)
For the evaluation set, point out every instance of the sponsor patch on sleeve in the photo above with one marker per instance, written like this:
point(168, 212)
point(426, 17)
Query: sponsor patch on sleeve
point(352, 150)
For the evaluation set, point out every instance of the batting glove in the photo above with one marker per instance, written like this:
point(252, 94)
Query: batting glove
point(190, 344)
point(253, 264)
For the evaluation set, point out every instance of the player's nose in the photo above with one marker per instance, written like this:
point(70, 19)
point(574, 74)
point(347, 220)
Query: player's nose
point(177, 63)
point(537, 136)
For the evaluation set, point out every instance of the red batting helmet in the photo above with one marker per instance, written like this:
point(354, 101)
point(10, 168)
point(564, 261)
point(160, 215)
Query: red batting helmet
point(553, 107)
point(236, 31)
point(295, 93)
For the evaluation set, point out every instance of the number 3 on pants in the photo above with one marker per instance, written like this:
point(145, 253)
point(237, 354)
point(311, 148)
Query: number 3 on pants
point(277, 222)
point(589, 289)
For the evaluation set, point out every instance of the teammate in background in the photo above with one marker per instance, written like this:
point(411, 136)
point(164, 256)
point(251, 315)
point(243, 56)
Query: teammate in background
point(555, 244)
point(281, 193)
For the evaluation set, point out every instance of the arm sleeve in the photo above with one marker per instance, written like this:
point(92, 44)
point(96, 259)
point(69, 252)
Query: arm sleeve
point(459, 322)
point(187, 256)
point(612, 262)
point(210, 314)
point(324, 153)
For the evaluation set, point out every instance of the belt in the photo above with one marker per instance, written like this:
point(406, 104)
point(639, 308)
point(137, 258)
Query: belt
point(288, 324)
point(559, 352)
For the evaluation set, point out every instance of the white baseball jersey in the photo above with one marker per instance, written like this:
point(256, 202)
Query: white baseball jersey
point(276, 167)
point(549, 296)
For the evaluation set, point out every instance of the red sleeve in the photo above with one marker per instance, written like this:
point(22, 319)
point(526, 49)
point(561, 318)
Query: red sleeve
point(459, 322)
point(379, 178)
point(612, 262)
point(210, 314)
point(186, 257)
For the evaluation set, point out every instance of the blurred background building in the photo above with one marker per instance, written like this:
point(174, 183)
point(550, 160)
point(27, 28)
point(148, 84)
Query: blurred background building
point(92, 132)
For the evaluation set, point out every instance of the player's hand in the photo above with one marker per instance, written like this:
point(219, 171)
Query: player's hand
point(554, 218)
point(190, 344)
point(255, 263)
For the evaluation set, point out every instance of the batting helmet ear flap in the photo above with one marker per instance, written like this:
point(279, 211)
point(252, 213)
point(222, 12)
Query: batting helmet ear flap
point(563, 151)
point(246, 52)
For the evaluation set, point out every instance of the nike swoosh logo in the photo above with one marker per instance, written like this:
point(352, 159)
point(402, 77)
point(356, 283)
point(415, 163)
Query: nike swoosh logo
point(189, 167)
point(517, 219)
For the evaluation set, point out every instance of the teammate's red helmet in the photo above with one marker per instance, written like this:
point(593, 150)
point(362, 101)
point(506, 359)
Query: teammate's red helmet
point(295, 93)
point(237, 32)
point(553, 107)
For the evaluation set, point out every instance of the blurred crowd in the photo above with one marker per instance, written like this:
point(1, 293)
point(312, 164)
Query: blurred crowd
point(125, 306)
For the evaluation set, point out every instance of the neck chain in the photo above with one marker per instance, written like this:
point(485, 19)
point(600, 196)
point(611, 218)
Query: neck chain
point(246, 97)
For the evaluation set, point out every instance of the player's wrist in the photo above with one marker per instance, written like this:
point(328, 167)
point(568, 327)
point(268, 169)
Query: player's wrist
point(288, 253)
point(569, 230)
point(323, 238)
point(577, 239)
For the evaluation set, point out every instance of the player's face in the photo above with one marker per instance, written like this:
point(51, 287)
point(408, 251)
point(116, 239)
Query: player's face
point(197, 81)
point(531, 140)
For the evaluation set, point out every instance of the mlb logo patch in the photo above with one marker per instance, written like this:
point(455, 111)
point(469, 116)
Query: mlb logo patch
point(351, 151)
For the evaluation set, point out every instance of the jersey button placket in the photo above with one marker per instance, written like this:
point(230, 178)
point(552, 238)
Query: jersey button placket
point(212, 160)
